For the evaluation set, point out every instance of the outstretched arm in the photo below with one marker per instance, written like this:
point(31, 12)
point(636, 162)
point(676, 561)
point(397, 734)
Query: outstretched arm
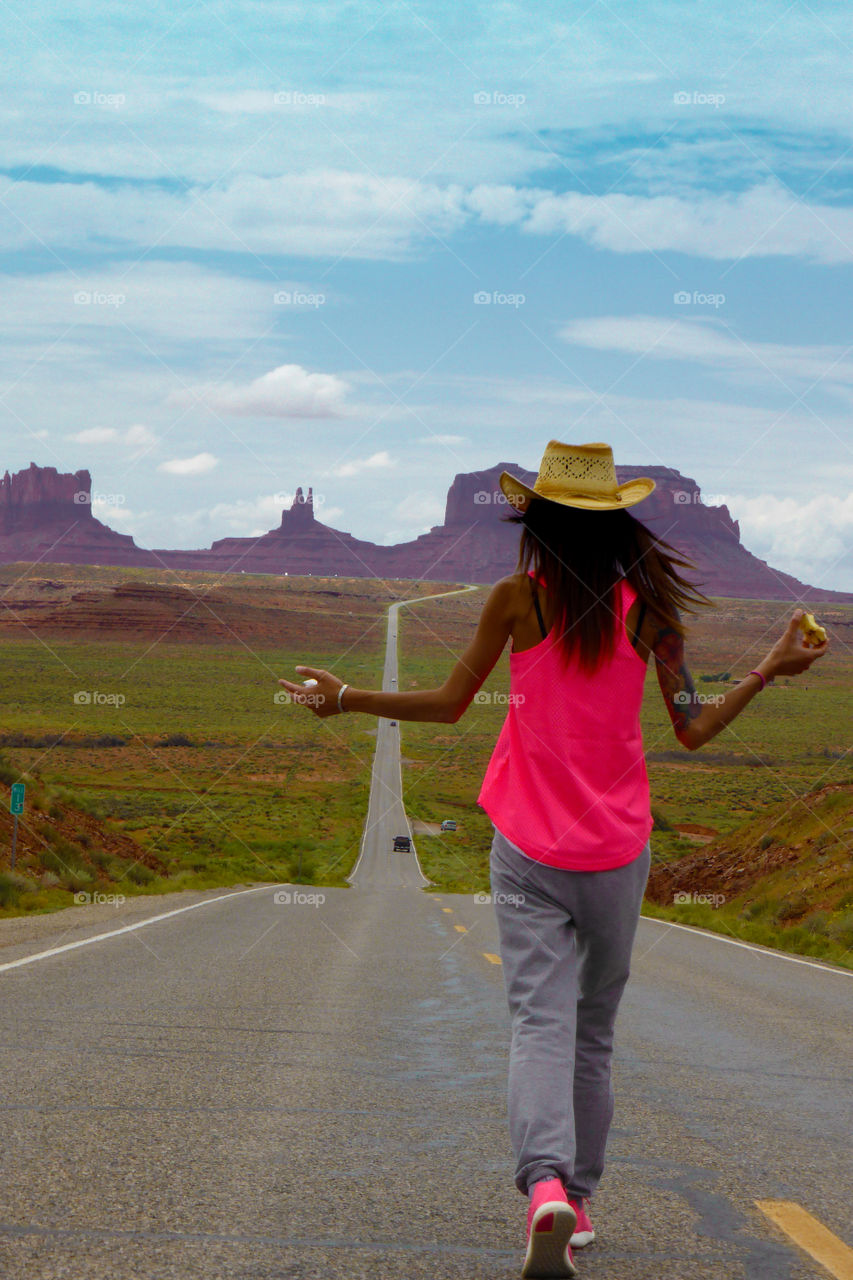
point(696, 723)
point(445, 704)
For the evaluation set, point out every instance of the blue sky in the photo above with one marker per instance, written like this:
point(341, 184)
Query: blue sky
point(245, 247)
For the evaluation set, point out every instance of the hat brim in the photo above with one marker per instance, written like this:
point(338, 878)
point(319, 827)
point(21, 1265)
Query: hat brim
point(629, 494)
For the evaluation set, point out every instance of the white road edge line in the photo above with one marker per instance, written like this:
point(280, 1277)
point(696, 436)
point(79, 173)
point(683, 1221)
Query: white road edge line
point(764, 951)
point(128, 928)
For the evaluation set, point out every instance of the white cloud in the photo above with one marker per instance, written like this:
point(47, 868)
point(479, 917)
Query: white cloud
point(316, 213)
point(811, 539)
point(114, 513)
point(410, 518)
point(352, 214)
point(95, 435)
point(244, 518)
point(703, 341)
point(251, 517)
point(289, 391)
point(137, 436)
point(198, 465)
point(763, 221)
point(376, 461)
point(172, 302)
point(504, 205)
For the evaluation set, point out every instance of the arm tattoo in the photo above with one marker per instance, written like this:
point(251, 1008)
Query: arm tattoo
point(674, 679)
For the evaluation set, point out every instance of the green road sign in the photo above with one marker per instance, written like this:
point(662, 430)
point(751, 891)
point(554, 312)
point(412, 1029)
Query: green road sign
point(16, 804)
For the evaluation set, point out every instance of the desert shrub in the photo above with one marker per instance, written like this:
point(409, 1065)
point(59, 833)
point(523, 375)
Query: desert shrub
point(760, 907)
point(661, 822)
point(76, 880)
point(8, 773)
point(816, 922)
point(68, 852)
point(140, 874)
point(840, 928)
point(793, 907)
point(11, 888)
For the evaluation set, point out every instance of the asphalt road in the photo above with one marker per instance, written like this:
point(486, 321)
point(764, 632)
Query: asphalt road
point(294, 1082)
point(378, 866)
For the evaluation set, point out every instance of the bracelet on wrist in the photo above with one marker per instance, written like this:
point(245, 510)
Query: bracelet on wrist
point(761, 677)
point(341, 706)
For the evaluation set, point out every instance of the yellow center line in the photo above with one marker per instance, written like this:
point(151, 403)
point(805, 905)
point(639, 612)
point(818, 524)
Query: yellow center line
point(448, 910)
point(460, 928)
point(811, 1235)
point(491, 957)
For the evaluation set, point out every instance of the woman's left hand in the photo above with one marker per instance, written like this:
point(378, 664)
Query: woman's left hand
point(321, 698)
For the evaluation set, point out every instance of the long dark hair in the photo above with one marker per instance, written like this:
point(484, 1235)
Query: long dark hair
point(580, 555)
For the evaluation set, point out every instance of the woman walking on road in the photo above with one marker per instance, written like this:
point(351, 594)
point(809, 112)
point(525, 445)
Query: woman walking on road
point(595, 594)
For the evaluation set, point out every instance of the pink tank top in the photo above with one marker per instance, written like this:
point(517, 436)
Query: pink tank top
point(567, 780)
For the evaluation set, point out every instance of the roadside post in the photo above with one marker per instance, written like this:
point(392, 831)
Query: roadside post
point(16, 806)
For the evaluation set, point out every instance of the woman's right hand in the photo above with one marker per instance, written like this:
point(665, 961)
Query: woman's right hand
point(790, 655)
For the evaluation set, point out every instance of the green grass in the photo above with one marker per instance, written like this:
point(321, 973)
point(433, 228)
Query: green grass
point(265, 792)
point(223, 785)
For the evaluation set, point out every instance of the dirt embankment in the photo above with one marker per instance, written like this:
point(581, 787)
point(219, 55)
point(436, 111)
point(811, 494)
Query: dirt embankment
point(811, 834)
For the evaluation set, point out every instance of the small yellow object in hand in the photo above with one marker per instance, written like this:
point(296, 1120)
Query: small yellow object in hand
point(812, 633)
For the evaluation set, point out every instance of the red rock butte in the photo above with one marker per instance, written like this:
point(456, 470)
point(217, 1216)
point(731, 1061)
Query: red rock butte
point(47, 516)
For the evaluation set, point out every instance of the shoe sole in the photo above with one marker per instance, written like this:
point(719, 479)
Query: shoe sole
point(547, 1246)
point(581, 1239)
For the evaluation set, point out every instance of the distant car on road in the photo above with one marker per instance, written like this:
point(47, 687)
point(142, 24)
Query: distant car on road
point(448, 825)
point(402, 844)
point(393, 724)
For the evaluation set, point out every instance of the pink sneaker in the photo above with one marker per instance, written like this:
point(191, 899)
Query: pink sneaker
point(550, 1223)
point(583, 1233)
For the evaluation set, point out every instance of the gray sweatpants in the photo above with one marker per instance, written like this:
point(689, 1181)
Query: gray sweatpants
point(565, 940)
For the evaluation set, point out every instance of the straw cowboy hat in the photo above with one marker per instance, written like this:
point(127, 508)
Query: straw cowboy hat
point(577, 475)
